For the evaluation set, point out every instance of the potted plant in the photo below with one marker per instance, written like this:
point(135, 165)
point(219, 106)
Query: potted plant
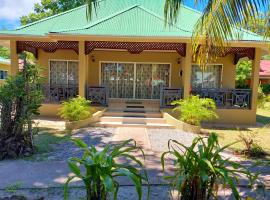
point(193, 111)
point(76, 112)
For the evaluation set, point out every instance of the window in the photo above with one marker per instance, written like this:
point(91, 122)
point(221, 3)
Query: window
point(64, 72)
point(209, 77)
point(3, 74)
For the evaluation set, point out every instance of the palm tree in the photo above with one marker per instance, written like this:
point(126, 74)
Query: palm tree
point(219, 23)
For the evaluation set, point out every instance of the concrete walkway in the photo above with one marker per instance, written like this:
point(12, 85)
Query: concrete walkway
point(54, 171)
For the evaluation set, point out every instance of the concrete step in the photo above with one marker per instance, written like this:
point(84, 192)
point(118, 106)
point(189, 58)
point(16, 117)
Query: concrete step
point(139, 120)
point(132, 114)
point(120, 124)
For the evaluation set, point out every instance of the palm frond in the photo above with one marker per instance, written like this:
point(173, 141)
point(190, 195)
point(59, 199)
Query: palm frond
point(91, 7)
point(220, 23)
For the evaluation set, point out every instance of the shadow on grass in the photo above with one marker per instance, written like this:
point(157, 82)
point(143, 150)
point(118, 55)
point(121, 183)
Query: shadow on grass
point(263, 119)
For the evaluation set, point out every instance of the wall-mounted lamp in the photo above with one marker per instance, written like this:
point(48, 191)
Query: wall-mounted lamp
point(93, 58)
point(181, 73)
point(178, 60)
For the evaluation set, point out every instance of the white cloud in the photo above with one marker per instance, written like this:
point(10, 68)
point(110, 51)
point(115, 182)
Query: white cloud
point(13, 9)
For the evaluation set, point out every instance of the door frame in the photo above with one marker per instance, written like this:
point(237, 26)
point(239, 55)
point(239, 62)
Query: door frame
point(135, 68)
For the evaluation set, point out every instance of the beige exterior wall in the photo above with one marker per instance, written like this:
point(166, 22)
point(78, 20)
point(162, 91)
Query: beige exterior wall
point(124, 56)
point(232, 116)
point(44, 58)
point(228, 79)
point(4, 67)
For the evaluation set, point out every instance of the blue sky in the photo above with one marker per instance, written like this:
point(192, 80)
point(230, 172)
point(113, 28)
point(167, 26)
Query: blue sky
point(11, 10)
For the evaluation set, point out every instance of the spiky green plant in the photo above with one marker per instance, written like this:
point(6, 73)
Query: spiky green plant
point(76, 109)
point(200, 169)
point(102, 168)
point(195, 109)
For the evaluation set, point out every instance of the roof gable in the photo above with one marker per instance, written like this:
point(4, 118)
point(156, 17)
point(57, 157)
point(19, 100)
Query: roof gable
point(121, 18)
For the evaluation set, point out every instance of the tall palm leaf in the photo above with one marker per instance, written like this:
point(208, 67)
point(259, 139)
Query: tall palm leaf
point(220, 23)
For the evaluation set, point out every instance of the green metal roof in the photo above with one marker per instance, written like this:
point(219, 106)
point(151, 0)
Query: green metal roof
point(4, 61)
point(121, 18)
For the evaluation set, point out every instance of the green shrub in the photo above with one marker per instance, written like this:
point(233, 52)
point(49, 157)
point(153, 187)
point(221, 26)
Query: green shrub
point(194, 110)
point(252, 149)
point(76, 109)
point(20, 99)
point(102, 168)
point(262, 98)
point(243, 73)
point(200, 169)
point(265, 88)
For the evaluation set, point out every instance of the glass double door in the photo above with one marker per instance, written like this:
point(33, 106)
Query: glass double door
point(133, 80)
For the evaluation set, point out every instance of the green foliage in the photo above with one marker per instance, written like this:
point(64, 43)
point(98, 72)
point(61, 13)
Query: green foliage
point(266, 57)
point(4, 52)
point(262, 98)
point(194, 110)
point(20, 99)
point(76, 109)
point(13, 187)
point(265, 88)
point(199, 169)
point(243, 73)
point(252, 149)
point(102, 168)
point(47, 8)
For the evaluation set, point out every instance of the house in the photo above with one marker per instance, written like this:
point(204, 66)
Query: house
point(265, 72)
point(4, 69)
point(127, 51)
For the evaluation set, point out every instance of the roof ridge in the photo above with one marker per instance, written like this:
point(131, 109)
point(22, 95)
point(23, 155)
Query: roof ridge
point(99, 21)
point(161, 18)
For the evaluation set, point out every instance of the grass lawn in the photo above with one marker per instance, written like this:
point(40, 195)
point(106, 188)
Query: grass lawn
point(262, 138)
point(46, 138)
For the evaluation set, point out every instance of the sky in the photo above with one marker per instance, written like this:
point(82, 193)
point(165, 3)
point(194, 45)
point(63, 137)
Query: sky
point(12, 10)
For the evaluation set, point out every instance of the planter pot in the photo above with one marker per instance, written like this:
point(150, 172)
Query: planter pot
point(181, 125)
point(191, 128)
point(79, 124)
point(86, 122)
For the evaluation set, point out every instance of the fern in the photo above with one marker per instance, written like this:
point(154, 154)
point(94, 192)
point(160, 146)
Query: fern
point(76, 109)
point(194, 110)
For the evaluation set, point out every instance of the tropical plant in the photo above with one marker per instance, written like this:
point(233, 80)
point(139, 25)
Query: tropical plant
point(103, 167)
point(262, 98)
point(252, 148)
point(20, 99)
point(219, 24)
point(76, 109)
point(266, 88)
point(4, 52)
point(243, 73)
point(200, 169)
point(194, 110)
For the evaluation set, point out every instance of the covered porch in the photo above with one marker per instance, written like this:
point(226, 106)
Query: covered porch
point(161, 71)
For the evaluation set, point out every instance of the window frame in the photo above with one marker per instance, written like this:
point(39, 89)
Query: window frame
point(211, 64)
point(3, 70)
point(61, 60)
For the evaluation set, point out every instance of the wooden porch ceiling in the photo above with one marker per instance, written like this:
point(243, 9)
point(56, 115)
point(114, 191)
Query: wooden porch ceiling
point(132, 47)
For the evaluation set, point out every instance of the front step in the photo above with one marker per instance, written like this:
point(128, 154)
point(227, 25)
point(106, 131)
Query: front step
point(139, 120)
point(119, 124)
point(133, 114)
